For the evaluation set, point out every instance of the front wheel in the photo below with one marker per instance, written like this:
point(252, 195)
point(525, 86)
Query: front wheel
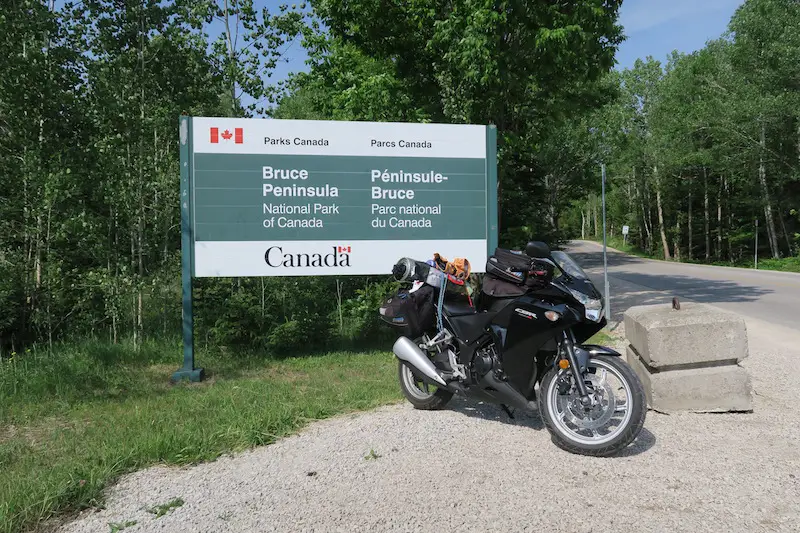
point(615, 418)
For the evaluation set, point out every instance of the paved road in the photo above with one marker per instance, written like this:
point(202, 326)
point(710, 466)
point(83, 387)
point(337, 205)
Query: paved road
point(769, 296)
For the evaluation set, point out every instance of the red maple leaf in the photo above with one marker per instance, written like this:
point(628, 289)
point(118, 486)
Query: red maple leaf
point(226, 135)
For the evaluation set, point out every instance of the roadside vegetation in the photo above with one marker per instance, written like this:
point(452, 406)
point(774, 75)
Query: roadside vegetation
point(703, 149)
point(73, 420)
point(785, 264)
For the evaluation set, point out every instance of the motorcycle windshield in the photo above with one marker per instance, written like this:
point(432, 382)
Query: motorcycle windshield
point(568, 265)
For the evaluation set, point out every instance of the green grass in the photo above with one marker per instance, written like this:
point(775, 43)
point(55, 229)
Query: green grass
point(602, 338)
point(628, 248)
point(785, 264)
point(74, 420)
point(164, 508)
point(116, 527)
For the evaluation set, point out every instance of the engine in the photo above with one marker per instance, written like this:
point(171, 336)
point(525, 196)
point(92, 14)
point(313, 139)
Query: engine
point(485, 360)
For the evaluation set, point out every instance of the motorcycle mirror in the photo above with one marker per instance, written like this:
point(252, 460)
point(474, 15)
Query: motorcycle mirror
point(537, 249)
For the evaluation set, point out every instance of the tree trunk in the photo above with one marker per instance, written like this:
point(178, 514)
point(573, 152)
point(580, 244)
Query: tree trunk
point(583, 225)
point(762, 178)
point(640, 194)
point(140, 185)
point(133, 294)
point(263, 298)
point(339, 305)
point(648, 216)
point(783, 230)
point(594, 206)
point(231, 58)
point(730, 218)
point(678, 238)
point(706, 222)
point(719, 219)
point(114, 284)
point(38, 257)
point(49, 278)
point(689, 229)
point(661, 228)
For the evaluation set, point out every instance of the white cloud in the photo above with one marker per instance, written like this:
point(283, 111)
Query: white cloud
point(640, 15)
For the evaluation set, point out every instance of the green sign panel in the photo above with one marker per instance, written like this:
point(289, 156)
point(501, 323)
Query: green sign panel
point(284, 197)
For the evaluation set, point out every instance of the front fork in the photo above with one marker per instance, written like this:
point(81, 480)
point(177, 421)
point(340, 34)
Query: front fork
point(578, 361)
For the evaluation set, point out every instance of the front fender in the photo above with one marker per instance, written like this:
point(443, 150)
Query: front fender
point(596, 349)
point(584, 352)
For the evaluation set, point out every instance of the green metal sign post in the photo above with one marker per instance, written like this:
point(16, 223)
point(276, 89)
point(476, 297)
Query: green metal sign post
point(188, 370)
point(308, 198)
point(491, 179)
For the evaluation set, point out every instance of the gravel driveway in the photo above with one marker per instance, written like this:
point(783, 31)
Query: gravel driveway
point(470, 468)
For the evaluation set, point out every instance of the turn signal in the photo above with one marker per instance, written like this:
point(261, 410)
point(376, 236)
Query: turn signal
point(563, 364)
point(552, 316)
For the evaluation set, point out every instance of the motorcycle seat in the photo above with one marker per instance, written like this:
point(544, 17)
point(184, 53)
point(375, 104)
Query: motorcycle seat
point(458, 309)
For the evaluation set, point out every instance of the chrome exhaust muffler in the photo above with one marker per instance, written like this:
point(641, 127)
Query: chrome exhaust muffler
point(405, 350)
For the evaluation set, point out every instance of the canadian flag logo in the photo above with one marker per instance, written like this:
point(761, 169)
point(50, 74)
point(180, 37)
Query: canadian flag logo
point(344, 249)
point(237, 135)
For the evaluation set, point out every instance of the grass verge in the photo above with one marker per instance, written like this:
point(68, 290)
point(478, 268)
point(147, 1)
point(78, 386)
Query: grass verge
point(785, 264)
point(74, 420)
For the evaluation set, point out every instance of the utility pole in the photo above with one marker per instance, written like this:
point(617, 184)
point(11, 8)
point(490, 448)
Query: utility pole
point(605, 256)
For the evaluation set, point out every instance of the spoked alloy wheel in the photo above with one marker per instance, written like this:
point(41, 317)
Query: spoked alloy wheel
point(615, 418)
point(421, 395)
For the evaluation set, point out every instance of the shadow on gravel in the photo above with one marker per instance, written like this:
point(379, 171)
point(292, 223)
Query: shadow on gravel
point(487, 411)
point(643, 442)
point(484, 411)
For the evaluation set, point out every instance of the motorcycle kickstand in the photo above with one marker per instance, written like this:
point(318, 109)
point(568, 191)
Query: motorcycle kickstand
point(507, 410)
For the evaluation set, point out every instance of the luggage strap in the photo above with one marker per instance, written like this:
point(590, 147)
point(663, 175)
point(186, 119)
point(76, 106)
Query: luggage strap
point(440, 304)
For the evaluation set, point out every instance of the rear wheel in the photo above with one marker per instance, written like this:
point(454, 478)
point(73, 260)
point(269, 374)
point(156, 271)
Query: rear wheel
point(611, 424)
point(420, 394)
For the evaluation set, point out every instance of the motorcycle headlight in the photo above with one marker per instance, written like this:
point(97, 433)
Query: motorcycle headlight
point(594, 307)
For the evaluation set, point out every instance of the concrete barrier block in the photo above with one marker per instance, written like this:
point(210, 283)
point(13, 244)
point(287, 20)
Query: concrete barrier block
point(709, 389)
point(697, 333)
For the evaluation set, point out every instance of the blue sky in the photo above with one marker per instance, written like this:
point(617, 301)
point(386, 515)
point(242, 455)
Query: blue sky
point(656, 27)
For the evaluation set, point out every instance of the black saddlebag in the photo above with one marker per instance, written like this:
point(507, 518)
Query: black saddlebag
point(413, 312)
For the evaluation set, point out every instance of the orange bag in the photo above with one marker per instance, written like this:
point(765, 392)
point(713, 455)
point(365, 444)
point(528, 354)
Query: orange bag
point(459, 267)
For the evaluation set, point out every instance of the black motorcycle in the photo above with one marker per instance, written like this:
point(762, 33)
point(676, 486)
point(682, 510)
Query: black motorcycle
point(521, 346)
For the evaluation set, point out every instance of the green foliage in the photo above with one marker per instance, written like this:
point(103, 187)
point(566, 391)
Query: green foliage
point(701, 147)
point(74, 420)
point(525, 67)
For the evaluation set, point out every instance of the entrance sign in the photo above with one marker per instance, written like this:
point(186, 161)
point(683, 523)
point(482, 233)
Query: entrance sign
point(262, 197)
point(309, 198)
